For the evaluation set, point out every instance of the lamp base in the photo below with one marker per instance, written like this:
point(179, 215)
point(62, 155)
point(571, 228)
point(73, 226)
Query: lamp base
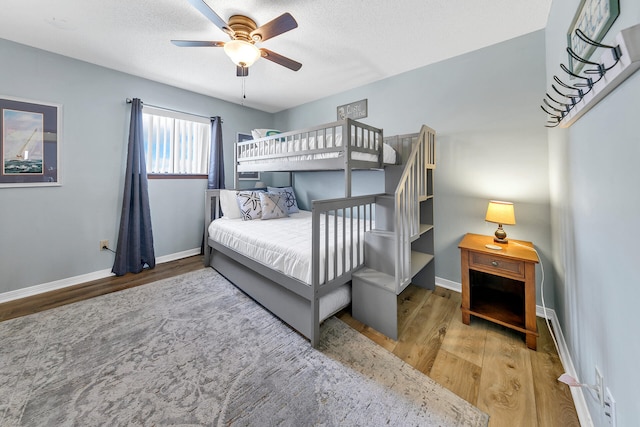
point(501, 235)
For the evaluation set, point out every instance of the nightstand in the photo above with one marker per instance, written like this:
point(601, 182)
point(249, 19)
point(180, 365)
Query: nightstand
point(500, 285)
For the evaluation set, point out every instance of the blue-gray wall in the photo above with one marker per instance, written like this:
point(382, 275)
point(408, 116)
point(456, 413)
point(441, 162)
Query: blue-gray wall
point(595, 203)
point(491, 144)
point(53, 233)
point(491, 141)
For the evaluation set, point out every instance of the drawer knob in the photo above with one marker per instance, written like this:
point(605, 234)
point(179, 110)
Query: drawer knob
point(494, 263)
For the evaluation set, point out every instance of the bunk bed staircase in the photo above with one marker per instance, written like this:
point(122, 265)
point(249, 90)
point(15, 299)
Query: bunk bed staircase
point(399, 250)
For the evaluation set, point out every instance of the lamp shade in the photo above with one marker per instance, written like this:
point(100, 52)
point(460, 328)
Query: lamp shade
point(501, 213)
point(242, 53)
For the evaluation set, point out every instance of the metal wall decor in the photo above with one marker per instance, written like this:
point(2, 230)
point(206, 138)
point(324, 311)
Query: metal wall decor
point(568, 102)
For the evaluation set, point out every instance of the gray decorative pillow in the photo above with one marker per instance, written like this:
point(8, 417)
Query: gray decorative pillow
point(273, 206)
point(289, 195)
point(249, 204)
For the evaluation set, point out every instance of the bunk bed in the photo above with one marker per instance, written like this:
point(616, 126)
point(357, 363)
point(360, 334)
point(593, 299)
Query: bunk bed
point(336, 227)
point(342, 145)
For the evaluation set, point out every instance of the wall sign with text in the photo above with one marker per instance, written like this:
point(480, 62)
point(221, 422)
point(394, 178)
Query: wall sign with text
point(355, 110)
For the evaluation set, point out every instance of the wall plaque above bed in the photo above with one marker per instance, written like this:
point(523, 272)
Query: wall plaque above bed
point(354, 110)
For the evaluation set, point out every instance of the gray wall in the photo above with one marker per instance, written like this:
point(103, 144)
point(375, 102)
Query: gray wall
point(49, 234)
point(491, 141)
point(595, 203)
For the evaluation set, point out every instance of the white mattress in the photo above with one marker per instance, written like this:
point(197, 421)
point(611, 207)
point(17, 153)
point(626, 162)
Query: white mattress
point(288, 149)
point(285, 245)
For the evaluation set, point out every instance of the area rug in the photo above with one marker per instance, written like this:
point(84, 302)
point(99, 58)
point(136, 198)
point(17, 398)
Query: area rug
point(194, 350)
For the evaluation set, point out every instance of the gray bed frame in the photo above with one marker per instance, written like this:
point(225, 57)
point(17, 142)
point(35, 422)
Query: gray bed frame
point(292, 300)
point(272, 155)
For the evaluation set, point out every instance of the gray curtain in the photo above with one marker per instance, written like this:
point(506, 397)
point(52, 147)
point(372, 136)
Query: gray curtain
point(216, 159)
point(135, 238)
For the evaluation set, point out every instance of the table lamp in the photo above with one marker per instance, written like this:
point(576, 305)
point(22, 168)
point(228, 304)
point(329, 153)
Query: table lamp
point(500, 213)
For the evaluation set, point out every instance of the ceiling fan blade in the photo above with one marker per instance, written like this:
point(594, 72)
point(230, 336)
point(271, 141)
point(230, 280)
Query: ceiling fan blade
point(281, 24)
point(195, 43)
point(242, 71)
point(212, 16)
point(281, 60)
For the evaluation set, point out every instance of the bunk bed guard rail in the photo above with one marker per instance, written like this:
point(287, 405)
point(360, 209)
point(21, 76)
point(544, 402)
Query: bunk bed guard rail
point(343, 136)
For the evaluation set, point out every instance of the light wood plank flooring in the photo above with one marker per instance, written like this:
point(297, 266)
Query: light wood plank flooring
point(485, 364)
point(488, 365)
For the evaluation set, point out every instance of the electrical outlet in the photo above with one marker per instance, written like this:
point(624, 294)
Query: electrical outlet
point(104, 244)
point(599, 386)
point(610, 408)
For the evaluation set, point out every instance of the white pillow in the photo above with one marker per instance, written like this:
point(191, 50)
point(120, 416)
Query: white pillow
point(389, 155)
point(261, 133)
point(229, 204)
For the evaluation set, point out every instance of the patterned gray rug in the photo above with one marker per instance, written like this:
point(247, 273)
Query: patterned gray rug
point(193, 350)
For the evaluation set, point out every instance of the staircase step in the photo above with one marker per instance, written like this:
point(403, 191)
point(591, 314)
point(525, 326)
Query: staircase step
point(376, 278)
point(423, 229)
point(379, 251)
point(418, 261)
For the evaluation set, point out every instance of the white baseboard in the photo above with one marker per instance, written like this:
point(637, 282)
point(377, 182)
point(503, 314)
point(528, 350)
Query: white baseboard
point(83, 278)
point(448, 284)
point(178, 255)
point(567, 363)
point(563, 351)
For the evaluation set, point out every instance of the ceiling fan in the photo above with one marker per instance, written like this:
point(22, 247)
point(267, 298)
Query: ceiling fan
point(244, 33)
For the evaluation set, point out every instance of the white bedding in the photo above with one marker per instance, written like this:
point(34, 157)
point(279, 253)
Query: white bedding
point(282, 244)
point(290, 146)
point(285, 245)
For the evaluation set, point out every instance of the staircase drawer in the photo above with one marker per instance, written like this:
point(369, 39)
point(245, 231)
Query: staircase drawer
point(489, 263)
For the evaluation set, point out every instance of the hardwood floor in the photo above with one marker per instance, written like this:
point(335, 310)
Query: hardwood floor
point(485, 364)
point(47, 300)
point(488, 365)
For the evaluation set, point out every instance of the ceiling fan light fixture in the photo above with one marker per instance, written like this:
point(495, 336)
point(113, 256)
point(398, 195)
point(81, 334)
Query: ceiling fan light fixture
point(242, 53)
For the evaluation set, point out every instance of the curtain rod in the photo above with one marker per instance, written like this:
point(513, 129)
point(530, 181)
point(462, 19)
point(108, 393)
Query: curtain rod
point(171, 109)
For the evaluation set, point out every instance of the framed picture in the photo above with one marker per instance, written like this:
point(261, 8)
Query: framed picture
point(30, 139)
point(247, 176)
point(593, 18)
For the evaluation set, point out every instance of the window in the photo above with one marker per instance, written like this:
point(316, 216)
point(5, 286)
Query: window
point(176, 143)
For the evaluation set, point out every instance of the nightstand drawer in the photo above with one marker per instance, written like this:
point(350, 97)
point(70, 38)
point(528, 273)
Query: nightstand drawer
point(486, 262)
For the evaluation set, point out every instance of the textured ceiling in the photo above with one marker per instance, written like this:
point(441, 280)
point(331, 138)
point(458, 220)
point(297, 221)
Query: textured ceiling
point(341, 44)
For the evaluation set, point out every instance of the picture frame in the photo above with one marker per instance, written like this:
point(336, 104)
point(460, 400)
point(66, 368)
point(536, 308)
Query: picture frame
point(30, 142)
point(247, 176)
point(594, 18)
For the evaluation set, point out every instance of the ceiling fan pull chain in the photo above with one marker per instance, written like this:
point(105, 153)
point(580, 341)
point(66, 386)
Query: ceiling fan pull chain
point(244, 95)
